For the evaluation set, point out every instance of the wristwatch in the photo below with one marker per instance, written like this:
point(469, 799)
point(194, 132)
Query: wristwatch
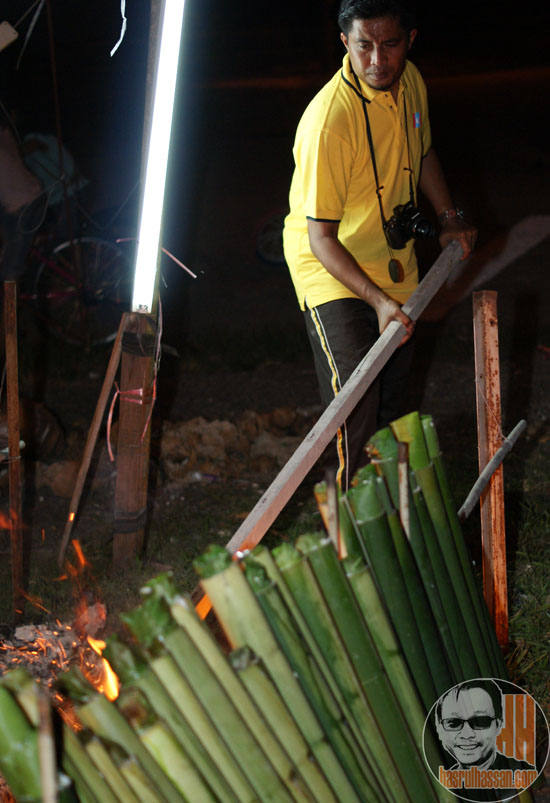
point(450, 213)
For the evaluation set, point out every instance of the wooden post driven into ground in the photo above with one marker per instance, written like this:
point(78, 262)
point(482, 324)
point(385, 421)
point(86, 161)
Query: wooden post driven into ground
point(137, 388)
point(14, 468)
point(254, 527)
point(493, 535)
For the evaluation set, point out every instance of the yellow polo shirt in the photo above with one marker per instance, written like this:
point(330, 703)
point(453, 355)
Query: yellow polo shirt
point(334, 180)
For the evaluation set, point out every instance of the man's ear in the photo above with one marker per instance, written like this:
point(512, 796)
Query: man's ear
point(412, 37)
point(344, 39)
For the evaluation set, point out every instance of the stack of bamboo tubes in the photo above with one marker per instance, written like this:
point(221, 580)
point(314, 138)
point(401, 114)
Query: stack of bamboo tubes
point(333, 659)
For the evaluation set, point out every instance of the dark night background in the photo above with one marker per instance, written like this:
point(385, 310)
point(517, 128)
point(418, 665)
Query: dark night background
point(248, 70)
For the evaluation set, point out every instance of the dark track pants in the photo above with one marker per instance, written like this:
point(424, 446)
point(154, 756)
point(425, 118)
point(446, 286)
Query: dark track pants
point(341, 333)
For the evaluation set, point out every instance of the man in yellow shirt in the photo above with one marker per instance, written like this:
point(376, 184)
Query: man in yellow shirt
point(362, 148)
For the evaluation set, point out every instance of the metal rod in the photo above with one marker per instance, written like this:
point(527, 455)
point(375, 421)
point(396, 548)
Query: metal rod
point(481, 483)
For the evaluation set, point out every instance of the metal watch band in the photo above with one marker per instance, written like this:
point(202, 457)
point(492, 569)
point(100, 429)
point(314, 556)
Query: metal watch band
point(449, 213)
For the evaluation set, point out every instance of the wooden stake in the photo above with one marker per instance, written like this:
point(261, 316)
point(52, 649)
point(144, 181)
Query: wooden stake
point(134, 436)
point(493, 535)
point(14, 467)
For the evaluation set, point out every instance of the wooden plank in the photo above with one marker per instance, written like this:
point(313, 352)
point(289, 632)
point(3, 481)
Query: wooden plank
point(93, 432)
point(291, 475)
point(14, 467)
point(493, 533)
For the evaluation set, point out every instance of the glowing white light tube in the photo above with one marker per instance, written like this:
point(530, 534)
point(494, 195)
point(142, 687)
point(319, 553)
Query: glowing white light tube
point(157, 156)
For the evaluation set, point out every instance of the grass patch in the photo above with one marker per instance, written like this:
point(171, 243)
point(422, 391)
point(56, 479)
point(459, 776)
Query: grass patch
point(529, 601)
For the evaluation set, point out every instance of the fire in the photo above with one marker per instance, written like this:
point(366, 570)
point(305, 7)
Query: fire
point(49, 650)
point(107, 683)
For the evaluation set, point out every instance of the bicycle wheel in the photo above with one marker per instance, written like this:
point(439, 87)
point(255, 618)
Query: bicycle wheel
point(82, 289)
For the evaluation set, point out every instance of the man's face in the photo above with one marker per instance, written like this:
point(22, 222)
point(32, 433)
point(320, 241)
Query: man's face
point(378, 49)
point(468, 745)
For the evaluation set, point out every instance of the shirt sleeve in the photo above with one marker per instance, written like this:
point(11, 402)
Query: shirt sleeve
point(325, 163)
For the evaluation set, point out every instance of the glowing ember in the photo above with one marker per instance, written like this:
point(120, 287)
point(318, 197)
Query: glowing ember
point(48, 650)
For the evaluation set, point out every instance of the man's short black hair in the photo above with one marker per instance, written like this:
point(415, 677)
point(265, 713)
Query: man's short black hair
point(488, 685)
point(351, 10)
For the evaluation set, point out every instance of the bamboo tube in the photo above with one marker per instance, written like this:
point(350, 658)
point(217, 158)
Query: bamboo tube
point(175, 764)
point(409, 428)
point(184, 699)
point(453, 632)
point(87, 771)
point(428, 580)
point(378, 690)
point(474, 587)
point(312, 680)
point(420, 607)
point(433, 628)
point(262, 690)
point(456, 638)
point(247, 751)
point(139, 782)
point(254, 757)
point(285, 556)
point(30, 697)
point(105, 720)
point(376, 536)
point(46, 748)
point(19, 759)
point(319, 632)
point(108, 769)
point(230, 595)
point(84, 794)
point(430, 491)
point(202, 640)
point(348, 543)
point(135, 672)
point(389, 650)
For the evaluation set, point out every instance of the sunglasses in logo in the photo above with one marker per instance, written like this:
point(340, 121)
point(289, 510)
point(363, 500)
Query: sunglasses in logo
point(477, 723)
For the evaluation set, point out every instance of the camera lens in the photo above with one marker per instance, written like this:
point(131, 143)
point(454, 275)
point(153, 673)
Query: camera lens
point(423, 228)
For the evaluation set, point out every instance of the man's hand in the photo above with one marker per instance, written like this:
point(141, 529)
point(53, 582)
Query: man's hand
point(455, 228)
point(389, 310)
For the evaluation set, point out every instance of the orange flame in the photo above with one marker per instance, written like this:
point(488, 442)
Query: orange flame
point(108, 684)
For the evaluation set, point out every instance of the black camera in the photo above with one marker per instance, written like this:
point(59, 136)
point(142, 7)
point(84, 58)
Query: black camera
point(405, 223)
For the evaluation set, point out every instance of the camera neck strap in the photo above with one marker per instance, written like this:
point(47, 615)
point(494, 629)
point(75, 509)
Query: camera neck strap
point(380, 187)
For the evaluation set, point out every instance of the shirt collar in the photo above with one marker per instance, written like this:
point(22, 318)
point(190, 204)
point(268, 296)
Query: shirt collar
point(368, 92)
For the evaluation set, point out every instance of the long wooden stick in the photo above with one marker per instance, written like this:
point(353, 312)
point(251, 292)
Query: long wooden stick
point(289, 478)
point(14, 467)
point(93, 432)
point(493, 531)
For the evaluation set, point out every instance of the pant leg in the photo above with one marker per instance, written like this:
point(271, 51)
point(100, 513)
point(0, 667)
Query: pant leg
point(341, 333)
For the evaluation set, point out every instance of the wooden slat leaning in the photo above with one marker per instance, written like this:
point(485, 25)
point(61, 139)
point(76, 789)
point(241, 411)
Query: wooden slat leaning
point(291, 475)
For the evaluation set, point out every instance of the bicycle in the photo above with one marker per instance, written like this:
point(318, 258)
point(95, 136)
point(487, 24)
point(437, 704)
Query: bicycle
point(78, 279)
point(78, 288)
